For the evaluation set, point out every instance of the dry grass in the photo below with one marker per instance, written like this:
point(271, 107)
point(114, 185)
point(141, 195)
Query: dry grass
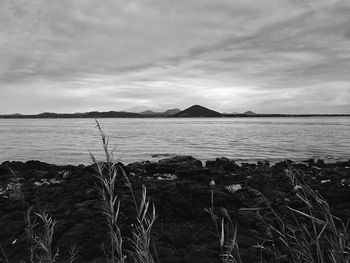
point(226, 231)
point(314, 233)
point(141, 236)
point(311, 235)
point(73, 251)
point(108, 174)
point(39, 230)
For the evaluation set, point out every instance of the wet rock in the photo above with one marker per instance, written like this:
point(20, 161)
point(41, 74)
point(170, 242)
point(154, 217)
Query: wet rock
point(65, 174)
point(222, 165)
point(309, 161)
point(179, 164)
point(320, 163)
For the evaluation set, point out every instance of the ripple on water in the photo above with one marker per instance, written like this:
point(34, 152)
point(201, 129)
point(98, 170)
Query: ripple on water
point(65, 141)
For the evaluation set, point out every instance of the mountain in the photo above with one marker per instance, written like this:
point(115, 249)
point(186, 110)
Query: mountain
point(250, 113)
point(149, 112)
point(171, 112)
point(142, 109)
point(157, 113)
point(91, 114)
point(193, 111)
point(48, 115)
point(198, 111)
point(14, 116)
point(111, 114)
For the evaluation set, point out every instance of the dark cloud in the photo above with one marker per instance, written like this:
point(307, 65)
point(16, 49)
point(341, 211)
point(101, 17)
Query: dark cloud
point(268, 56)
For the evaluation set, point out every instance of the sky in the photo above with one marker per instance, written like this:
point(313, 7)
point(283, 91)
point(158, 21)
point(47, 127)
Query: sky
point(271, 56)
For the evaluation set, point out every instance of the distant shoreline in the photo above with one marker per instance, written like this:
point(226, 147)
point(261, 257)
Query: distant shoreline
point(195, 111)
point(72, 116)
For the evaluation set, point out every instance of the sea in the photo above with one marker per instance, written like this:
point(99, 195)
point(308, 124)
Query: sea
point(70, 141)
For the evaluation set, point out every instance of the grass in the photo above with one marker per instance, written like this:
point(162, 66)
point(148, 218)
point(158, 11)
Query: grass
point(141, 236)
point(312, 235)
point(39, 230)
point(108, 174)
point(226, 231)
point(39, 226)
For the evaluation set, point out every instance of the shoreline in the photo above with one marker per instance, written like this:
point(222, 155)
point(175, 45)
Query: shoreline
point(179, 187)
point(192, 117)
point(158, 157)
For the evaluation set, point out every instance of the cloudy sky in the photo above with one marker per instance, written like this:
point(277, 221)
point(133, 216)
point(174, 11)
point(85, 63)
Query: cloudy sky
point(271, 56)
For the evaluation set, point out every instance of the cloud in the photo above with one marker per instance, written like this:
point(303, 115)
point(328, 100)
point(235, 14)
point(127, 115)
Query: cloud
point(230, 55)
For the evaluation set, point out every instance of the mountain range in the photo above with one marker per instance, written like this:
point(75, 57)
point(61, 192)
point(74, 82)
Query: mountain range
point(193, 111)
point(165, 113)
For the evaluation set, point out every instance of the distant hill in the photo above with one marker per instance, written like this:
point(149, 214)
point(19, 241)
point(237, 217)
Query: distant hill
point(11, 116)
point(111, 114)
point(193, 111)
point(198, 111)
point(250, 113)
point(48, 115)
point(171, 112)
point(149, 112)
point(91, 114)
point(165, 113)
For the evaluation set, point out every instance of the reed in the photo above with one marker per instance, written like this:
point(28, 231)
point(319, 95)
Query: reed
point(109, 173)
point(226, 231)
point(311, 234)
point(314, 233)
point(141, 236)
point(39, 230)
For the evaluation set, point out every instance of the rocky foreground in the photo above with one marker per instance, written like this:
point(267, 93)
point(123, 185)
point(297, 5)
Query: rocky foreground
point(180, 189)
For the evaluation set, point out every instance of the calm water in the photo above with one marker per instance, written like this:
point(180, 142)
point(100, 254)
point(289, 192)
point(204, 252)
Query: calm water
point(68, 141)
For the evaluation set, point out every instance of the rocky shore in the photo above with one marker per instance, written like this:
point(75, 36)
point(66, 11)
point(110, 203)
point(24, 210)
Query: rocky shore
point(180, 189)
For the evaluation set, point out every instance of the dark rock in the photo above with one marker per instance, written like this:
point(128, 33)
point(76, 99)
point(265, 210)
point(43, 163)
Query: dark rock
point(184, 230)
point(200, 174)
point(178, 163)
point(224, 163)
point(36, 165)
point(320, 163)
point(310, 161)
